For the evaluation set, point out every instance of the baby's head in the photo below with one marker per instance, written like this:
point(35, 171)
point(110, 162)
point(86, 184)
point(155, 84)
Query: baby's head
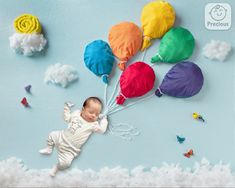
point(92, 108)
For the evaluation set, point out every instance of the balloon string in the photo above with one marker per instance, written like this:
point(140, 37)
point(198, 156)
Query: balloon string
point(113, 93)
point(129, 105)
point(160, 57)
point(110, 107)
point(116, 106)
point(105, 94)
point(113, 104)
point(123, 130)
point(113, 107)
point(111, 100)
point(144, 53)
point(159, 89)
point(147, 38)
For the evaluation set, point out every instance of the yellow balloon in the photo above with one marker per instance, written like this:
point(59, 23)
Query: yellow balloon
point(27, 23)
point(157, 18)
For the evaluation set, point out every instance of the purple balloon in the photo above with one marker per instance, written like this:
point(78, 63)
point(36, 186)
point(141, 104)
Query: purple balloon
point(183, 80)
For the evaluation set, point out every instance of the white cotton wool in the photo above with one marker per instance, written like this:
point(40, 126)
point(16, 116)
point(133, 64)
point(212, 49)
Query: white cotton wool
point(216, 50)
point(14, 174)
point(60, 74)
point(27, 44)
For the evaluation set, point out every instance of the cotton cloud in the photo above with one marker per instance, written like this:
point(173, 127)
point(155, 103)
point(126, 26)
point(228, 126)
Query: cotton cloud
point(216, 50)
point(13, 173)
point(60, 74)
point(27, 44)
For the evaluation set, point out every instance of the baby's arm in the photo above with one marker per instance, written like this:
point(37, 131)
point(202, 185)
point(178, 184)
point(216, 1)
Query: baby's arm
point(102, 126)
point(67, 113)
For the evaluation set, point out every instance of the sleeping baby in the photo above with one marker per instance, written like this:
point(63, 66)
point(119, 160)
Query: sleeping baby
point(81, 124)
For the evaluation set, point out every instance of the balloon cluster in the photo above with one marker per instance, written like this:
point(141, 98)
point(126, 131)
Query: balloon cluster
point(126, 39)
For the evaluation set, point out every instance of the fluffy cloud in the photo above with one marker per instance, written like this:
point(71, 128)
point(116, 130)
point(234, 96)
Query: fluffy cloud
point(14, 174)
point(60, 74)
point(27, 44)
point(216, 50)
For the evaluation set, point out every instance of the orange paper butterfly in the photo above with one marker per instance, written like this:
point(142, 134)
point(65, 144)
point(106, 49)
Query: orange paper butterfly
point(189, 153)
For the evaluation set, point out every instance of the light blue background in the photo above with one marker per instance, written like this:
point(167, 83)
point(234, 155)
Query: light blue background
point(69, 25)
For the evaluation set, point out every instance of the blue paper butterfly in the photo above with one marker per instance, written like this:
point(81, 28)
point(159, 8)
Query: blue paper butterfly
point(180, 139)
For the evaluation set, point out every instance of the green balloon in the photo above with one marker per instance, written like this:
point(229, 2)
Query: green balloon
point(176, 45)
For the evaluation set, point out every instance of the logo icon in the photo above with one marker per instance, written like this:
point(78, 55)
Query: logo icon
point(218, 16)
point(218, 13)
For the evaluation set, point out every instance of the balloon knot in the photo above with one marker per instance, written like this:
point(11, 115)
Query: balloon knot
point(105, 78)
point(158, 92)
point(157, 58)
point(146, 42)
point(121, 99)
point(122, 65)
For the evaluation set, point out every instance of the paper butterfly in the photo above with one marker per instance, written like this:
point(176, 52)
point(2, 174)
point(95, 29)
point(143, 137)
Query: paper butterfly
point(198, 116)
point(189, 153)
point(25, 102)
point(180, 139)
point(27, 88)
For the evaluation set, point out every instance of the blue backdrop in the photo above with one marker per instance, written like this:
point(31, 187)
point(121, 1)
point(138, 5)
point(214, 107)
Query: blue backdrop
point(71, 24)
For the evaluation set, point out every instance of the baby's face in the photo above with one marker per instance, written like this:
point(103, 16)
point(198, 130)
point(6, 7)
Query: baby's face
point(91, 111)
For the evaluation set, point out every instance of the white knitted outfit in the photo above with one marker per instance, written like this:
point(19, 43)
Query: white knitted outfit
point(69, 141)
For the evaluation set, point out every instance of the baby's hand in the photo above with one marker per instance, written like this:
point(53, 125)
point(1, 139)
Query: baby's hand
point(96, 129)
point(69, 104)
point(102, 116)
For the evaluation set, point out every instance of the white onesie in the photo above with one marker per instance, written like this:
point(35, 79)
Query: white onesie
point(69, 141)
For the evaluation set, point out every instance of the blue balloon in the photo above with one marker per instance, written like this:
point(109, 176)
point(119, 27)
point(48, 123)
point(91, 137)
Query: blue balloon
point(99, 59)
point(183, 80)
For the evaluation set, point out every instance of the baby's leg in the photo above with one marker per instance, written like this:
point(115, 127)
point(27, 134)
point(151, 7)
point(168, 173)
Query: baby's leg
point(65, 160)
point(53, 139)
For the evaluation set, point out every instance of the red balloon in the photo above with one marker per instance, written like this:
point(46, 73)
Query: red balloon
point(137, 80)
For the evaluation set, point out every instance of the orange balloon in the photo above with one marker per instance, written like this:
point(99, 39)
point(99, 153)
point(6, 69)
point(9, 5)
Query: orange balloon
point(125, 39)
